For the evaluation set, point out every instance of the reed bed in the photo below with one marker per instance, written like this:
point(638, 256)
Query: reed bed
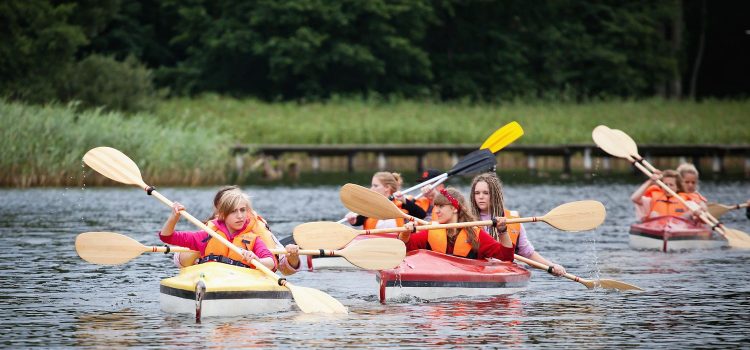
point(44, 145)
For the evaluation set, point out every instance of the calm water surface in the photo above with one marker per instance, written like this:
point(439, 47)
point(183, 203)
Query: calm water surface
point(52, 298)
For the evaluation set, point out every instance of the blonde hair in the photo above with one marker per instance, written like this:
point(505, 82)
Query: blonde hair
point(677, 177)
point(496, 206)
point(230, 200)
point(390, 180)
point(687, 168)
point(464, 215)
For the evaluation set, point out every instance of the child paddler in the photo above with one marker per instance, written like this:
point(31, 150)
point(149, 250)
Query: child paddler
point(470, 242)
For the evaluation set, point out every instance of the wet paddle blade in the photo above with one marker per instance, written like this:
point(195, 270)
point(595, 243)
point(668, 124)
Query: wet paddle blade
point(369, 203)
point(576, 216)
point(475, 162)
point(616, 285)
point(311, 300)
point(323, 235)
point(114, 165)
point(604, 138)
point(107, 248)
point(737, 238)
point(503, 137)
point(375, 253)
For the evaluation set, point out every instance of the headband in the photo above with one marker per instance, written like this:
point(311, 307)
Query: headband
point(450, 198)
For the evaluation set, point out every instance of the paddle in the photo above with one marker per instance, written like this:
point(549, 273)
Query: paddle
point(109, 248)
point(573, 216)
point(718, 209)
point(475, 162)
point(620, 144)
point(118, 167)
point(590, 284)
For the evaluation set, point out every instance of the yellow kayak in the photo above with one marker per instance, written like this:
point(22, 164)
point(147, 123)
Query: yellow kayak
point(217, 289)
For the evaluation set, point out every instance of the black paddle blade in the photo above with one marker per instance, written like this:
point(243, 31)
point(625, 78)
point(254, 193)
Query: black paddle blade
point(475, 162)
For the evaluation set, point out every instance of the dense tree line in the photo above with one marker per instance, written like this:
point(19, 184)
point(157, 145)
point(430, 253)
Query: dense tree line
point(311, 49)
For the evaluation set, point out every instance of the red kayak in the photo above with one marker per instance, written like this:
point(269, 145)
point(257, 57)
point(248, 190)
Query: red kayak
point(669, 233)
point(430, 275)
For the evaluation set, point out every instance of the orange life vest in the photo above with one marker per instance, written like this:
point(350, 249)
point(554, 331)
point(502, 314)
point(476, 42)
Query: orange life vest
point(514, 230)
point(652, 190)
point(664, 205)
point(425, 204)
point(696, 197)
point(438, 241)
point(372, 223)
point(256, 228)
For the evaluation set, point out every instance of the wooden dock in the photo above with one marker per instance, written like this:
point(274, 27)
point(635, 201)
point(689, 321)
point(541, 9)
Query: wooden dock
point(692, 153)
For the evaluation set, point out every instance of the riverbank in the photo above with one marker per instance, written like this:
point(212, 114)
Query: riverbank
point(187, 141)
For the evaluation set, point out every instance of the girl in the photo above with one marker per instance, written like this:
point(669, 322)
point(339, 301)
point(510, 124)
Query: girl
point(288, 264)
point(651, 201)
point(235, 221)
point(471, 242)
point(388, 185)
point(487, 201)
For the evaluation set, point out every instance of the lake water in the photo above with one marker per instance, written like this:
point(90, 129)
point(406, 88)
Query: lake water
point(51, 298)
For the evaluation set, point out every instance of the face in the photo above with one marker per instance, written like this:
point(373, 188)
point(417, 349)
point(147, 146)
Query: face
point(690, 182)
point(482, 196)
point(670, 182)
point(236, 219)
point(445, 213)
point(378, 187)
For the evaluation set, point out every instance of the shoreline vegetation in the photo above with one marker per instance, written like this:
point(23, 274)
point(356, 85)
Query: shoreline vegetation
point(186, 141)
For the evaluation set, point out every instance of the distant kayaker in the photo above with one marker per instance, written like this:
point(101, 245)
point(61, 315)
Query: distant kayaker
point(428, 192)
point(235, 221)
point(450, 206)
point(651, 201)
point(487, 201)
point(388, 184)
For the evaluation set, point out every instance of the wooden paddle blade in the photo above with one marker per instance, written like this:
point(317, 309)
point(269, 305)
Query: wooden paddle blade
point(717, 210)
point(626, 142)
point(576, 216)
point(311, 300)
point(475, 162)
point(369, 203)
point(737, 238)
point(616, 285)
point(503, 137)
point(114, 165)
point(375, 253)
point(604, 138)
point(107, 248)
point(323, 235)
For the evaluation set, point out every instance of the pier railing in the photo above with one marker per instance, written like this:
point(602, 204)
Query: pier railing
point(692, 153)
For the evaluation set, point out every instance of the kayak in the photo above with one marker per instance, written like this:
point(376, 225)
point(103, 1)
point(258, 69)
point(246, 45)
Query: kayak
point(218, 289)
point(669, 233)
point(431, 275)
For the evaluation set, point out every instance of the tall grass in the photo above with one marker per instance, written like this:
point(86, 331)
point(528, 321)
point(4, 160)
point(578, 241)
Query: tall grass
point(352, 121)
point(43, 146)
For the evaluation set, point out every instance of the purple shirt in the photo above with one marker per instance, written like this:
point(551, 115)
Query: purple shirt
point(524, 247)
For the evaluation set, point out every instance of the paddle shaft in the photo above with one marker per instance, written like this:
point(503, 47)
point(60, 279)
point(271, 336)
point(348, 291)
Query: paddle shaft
point(446, 226)
point(432, 186)
point(544, 267)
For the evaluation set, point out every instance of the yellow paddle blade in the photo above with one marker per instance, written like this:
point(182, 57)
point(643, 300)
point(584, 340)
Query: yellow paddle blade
point(375, 253)
point(737, 238)
point(108, 248)
point(323, 235)
point(114, 165)
point(717, 210)
point(311, 300)
point(576, 216)
point(503, 137)
point(369, 203)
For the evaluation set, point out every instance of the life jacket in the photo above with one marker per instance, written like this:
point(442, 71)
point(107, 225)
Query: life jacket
point(668, 206)
point(696, 197)
point(256, 228)
point(514, 230)
point(426, 205)
point(437, 241)
point(651, 190)
point(372, 223)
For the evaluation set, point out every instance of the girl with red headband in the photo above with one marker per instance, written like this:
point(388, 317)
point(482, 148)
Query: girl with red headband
point(470, 242)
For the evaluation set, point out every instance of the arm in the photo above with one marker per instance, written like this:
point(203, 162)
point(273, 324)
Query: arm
point(289, 264)
point(413, 241)
point(261, 253)
point(637, 196)
point(490, 248)
point(413, 209)
point(168, 227)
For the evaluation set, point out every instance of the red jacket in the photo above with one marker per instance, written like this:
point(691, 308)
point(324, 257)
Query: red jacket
point(488, 246)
